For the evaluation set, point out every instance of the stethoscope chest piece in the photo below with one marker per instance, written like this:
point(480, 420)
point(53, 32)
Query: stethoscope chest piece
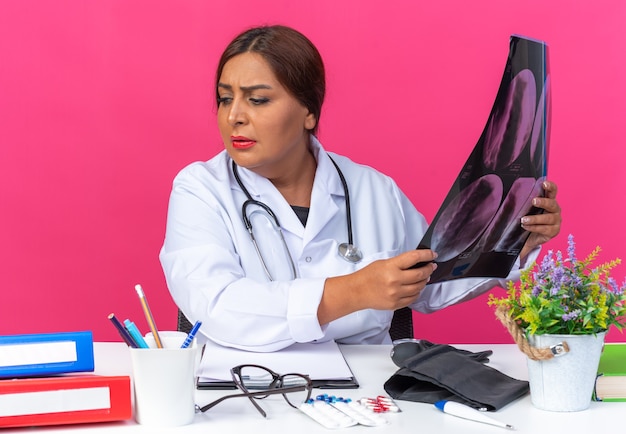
point(350, 252)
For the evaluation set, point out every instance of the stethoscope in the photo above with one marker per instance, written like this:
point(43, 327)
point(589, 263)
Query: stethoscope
point(347, 251)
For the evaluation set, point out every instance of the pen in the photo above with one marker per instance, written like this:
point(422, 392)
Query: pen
point(123, 332)
point(465, 412)
point(148, 314)
point(135, 334)
point(191, 334)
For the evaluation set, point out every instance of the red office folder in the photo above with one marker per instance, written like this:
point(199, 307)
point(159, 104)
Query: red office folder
point(64, 400)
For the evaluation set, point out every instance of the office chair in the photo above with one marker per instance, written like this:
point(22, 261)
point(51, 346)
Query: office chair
point(401, 323)
point(183, 324)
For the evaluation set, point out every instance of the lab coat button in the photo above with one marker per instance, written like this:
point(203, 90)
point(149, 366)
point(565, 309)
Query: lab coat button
point(308, 259)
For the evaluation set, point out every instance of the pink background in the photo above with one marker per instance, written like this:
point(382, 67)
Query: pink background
point(103, 102)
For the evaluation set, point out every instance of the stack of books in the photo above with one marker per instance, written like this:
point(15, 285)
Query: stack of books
point(611, 380)
point(48, 379)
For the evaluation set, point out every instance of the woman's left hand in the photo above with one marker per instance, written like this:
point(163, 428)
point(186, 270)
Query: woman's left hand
point(542, 227)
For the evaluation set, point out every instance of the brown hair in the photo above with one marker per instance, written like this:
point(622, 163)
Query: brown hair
point(293, 58)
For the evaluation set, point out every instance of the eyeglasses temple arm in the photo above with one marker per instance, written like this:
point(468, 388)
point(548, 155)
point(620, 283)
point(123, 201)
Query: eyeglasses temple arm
point(251, 395)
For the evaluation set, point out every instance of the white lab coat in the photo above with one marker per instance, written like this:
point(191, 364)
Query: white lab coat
point(214, 274)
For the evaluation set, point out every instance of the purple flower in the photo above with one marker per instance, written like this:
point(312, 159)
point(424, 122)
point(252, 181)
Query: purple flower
point(556, 279)
point(570, 316)
point(546, 263)
point(576, 280)
point(556, 274)
point(571, 248)
point(612, 286)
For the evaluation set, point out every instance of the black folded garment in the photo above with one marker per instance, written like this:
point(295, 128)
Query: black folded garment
point(432, 372)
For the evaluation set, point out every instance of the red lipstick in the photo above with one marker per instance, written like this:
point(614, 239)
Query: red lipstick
point(241, 142)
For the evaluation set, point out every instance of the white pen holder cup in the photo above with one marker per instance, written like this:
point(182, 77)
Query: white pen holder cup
point(164, 380)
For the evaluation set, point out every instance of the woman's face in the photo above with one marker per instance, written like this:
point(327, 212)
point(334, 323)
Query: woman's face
point(264, 128)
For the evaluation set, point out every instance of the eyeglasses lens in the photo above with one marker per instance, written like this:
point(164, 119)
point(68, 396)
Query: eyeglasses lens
point(255, 378)
point(300, 393)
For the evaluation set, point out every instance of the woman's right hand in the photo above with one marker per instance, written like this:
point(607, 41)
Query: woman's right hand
point(386, 284)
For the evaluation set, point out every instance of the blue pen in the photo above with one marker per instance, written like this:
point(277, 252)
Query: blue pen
point(134, 332)
point(192, 334)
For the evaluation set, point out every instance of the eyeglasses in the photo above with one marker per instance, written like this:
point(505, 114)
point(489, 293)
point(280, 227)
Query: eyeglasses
point(295, 388)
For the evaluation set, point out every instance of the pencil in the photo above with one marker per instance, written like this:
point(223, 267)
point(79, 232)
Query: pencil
point(123, 332)
point(149, 317)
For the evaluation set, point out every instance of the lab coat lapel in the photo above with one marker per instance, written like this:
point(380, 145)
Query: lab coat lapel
point(323, 208)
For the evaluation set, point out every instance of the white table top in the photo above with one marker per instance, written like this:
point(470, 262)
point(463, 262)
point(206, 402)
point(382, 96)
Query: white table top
point(372, 366)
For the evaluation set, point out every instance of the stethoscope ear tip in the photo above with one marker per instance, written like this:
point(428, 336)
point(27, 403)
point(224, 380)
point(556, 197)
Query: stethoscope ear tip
point(350, 252)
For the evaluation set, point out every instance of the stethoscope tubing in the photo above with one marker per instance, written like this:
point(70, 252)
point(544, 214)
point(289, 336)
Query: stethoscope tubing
point(347, 195)
point(353, 255)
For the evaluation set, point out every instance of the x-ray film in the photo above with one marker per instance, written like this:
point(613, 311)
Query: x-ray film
point(477, 231)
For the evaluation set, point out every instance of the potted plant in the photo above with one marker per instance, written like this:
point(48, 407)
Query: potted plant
point(558, 314)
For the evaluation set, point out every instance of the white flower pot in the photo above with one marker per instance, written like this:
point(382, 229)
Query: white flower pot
point(565, 382)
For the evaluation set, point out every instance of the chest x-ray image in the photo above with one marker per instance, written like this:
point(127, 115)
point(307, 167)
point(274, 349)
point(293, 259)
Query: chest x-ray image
point(477, 231)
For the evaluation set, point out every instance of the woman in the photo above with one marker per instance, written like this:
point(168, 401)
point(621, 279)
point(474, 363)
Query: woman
point(270, 86)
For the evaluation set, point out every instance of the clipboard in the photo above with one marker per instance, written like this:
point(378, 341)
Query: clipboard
point(322, 361)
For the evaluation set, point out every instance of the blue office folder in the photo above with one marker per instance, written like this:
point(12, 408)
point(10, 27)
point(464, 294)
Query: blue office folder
point(42, 354)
